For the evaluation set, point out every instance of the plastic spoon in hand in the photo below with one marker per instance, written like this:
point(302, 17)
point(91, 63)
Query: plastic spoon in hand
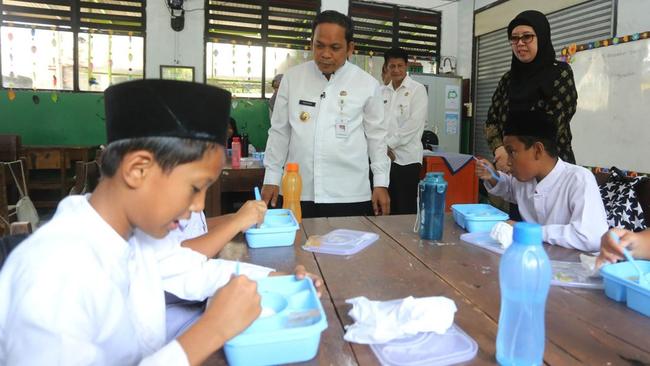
point(643, 282)
point(258, 197)
point(492, 172)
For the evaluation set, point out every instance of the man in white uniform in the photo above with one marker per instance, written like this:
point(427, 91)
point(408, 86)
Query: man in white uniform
point(405, 109)
point(562, 197)
point(328, 118)
point(82, 290)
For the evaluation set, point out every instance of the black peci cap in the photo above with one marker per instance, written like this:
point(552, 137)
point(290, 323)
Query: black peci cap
point(533, 123)
point(166, 108)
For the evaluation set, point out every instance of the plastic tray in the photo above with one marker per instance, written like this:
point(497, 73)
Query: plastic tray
point(278, 230)
point(574, 274)
point(621, 285)
point(453, 347)
point(287, 331)
point(340, 242)
point(477, 217)
point(565, 274)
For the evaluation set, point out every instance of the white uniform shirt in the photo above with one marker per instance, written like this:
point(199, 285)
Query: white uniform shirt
point(405, 110)
point(341, 127)
point(76, 293)
point(566, 203)
point(192, 228)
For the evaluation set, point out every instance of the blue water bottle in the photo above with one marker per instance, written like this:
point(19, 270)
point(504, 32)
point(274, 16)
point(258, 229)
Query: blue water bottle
point(431, 194)
point(524, 278)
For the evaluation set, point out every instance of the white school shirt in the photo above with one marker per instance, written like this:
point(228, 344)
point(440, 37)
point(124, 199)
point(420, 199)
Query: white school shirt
point(333, 165)
point(76, 293)
point(566, 203)
point(405, 110)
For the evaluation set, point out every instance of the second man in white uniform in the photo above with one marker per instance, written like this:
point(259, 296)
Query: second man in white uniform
point(405, 108)
point(328, 118)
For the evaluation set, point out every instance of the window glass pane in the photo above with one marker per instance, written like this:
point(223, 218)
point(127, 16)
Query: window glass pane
point(278, 60)
point(36, 58)
point(371, 64)
point(106, 59)
point(236, 68)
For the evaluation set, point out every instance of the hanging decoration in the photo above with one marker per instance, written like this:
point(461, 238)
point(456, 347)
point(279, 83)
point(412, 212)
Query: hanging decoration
point(234, 57)
point(34, 50)
point(10, 38)
point(36, 99)
point(248, 69)
point(53, 66)
point(567, 53)
point(110, 57)
point(56, 57)
point(130, 54)
point(370, 62)
point(11, 95)
point(215, 55)
point(305, 54)
point(91, 79)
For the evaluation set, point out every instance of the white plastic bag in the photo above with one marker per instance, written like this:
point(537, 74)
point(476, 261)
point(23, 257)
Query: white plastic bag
point(25, 210)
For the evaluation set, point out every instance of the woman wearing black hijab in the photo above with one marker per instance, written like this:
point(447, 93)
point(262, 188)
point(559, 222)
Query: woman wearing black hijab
point(535, 81)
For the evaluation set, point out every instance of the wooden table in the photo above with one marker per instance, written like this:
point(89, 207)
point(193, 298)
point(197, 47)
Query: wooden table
point(232, 181)
point(582, 326)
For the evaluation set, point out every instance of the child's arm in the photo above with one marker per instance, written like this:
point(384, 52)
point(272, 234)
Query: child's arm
point(588, 220)
point(611, 252)
point(213, 222)
point(192, 276)
point(251, 213)
point(232, 309)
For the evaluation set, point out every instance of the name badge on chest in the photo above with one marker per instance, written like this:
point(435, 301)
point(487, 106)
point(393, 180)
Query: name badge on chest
point(342, 127)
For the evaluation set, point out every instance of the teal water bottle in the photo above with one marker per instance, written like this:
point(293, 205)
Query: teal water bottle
point(431, 195)
point(524, 279)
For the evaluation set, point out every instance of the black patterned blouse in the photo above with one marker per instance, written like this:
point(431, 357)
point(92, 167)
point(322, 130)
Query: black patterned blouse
point(561, 105)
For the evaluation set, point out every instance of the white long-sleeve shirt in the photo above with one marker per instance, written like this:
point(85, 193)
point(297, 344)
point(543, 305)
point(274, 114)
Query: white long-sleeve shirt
point(566, 203)
point(76, 293)
point(330, 128)
point(405, 110)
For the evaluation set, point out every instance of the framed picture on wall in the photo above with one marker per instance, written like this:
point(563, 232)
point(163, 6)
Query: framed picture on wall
point(182, 73)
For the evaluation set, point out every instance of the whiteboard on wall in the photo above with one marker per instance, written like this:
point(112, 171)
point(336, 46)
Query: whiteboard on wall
point(611, 126)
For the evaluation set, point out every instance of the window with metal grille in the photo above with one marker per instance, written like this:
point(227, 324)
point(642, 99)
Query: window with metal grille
point(378, 27)
point(251, 41)
point(586, 22)
point(39, 40)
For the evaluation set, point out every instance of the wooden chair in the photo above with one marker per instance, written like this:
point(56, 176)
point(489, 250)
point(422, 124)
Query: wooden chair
point(9, 243)
point(86, 177)
point(11, 150)
point(10, 147)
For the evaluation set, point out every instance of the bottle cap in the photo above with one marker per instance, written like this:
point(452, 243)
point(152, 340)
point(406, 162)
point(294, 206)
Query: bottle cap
point(292, 167)
point(236, 138)
point(433, 175)
point(527, 233)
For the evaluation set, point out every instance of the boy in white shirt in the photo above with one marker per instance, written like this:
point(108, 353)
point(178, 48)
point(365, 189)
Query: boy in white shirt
point(83, 289)
point(563, 198)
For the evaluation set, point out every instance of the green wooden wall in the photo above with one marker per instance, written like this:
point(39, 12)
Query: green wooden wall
point(77, 119)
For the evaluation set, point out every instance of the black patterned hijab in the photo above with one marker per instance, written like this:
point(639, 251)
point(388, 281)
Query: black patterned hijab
point(534, 80)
